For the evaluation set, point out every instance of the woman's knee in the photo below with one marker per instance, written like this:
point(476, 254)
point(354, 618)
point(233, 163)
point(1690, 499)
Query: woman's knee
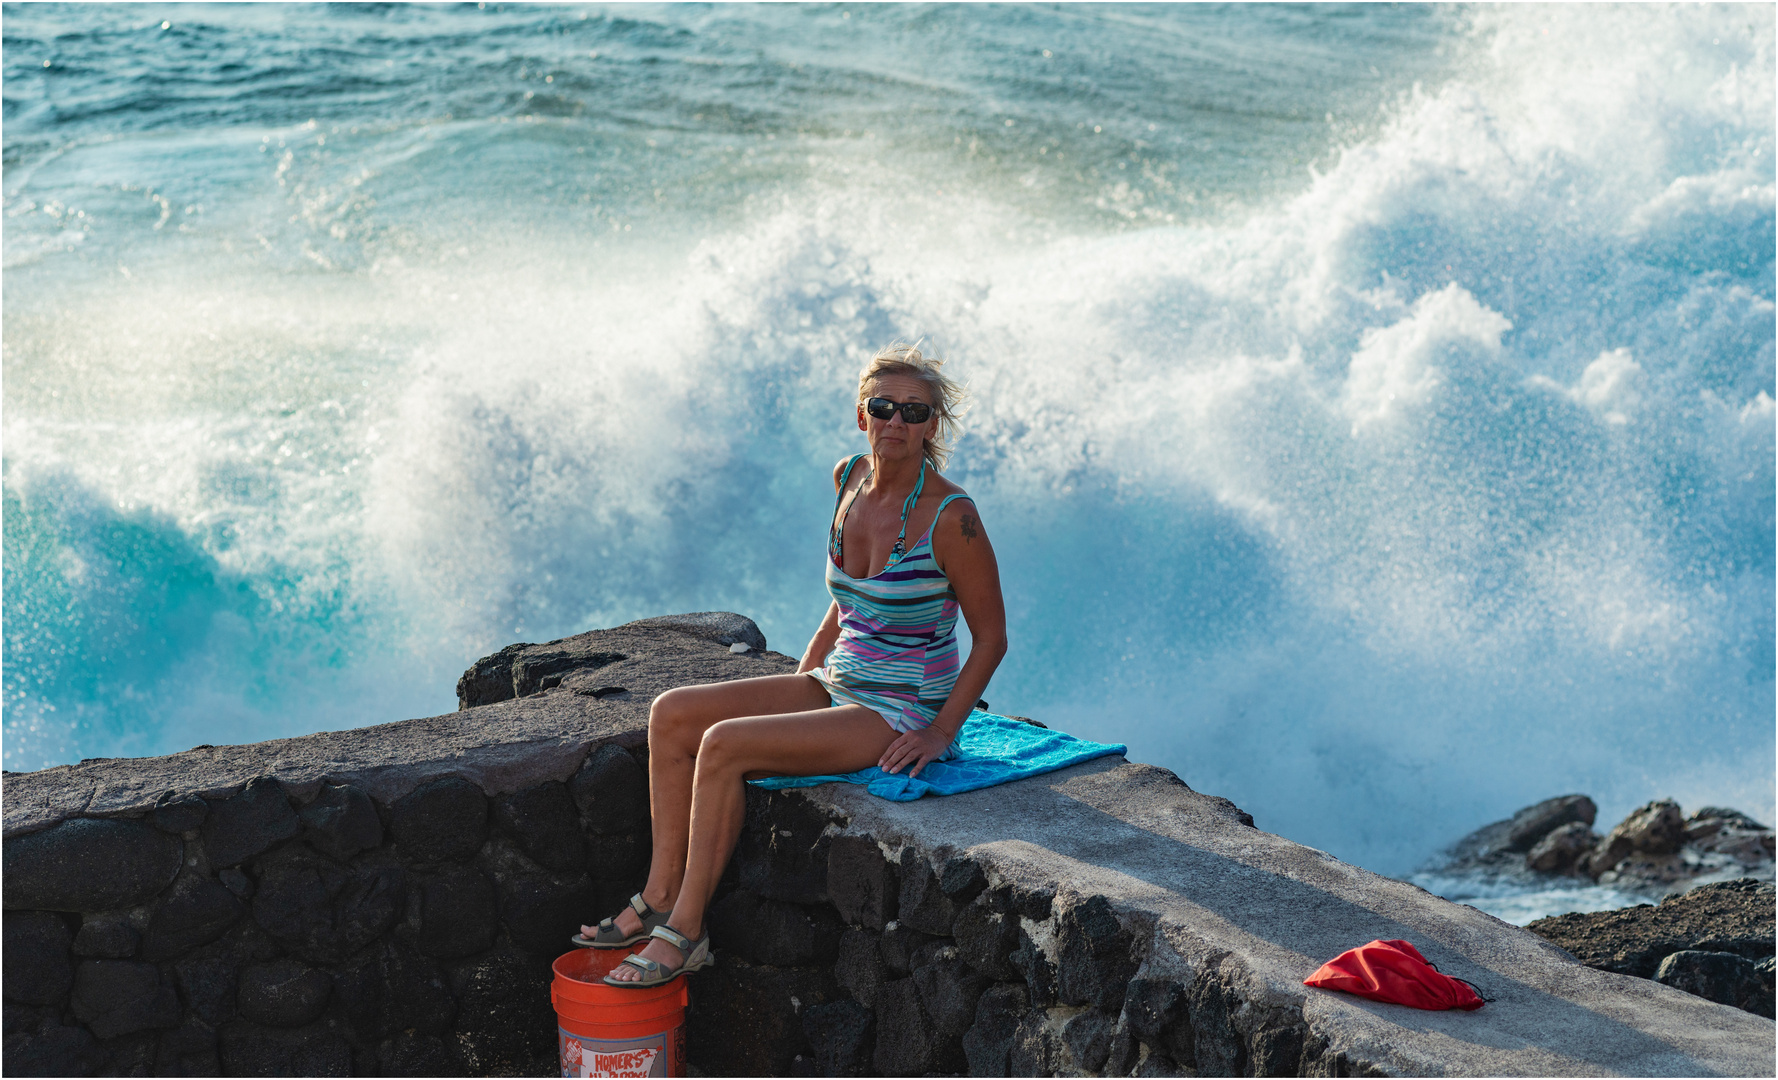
point(670, 715)
point(722, 744)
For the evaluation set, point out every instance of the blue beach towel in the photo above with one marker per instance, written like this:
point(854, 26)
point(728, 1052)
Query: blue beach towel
point(990, 749)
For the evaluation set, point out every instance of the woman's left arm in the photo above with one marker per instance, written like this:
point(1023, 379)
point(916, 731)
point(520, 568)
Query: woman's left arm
point(960, 544)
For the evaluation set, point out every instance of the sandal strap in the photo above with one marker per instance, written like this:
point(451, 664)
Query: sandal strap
point(643, 963)
point(641, 907)
point(674, 938)
point(607, 924)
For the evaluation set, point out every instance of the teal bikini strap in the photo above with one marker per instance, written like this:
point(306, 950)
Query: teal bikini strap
point(901, 538)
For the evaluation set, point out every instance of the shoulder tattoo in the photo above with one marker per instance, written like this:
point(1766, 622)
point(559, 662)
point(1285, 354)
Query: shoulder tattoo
point(969, 527)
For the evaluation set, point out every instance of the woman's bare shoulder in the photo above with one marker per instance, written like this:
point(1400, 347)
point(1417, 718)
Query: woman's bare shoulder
point(839, 471)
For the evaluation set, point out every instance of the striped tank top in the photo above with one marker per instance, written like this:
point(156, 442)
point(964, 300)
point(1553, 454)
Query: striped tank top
point(897, 649)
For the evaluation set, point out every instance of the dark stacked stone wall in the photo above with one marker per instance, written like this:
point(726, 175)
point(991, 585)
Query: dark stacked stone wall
point(844, 956)
point(258, 935)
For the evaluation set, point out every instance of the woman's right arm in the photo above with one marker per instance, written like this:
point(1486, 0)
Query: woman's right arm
point(822, 643)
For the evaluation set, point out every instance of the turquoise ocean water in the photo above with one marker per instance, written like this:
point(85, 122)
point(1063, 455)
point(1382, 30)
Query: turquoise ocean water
point(1373, 405)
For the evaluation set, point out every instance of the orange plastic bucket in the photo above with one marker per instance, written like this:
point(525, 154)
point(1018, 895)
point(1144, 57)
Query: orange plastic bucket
point(607, 1031)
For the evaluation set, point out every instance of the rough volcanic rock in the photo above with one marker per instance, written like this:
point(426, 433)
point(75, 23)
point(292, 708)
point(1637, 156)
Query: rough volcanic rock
point(504, 1023)
point(1159, 1015)
point(1088, 1037)
point(324, 912)
point(722, 627)
point(89, 865)
point(388, 989)
point(1095, 955)
point(988, 1040)
point(1654, 828)
point(898, 946)
point(50, 1048)
point(1723, 977)
point(784, 847)
point(773, 931)
point(446, 819)
point(1730, 916)
point(1533, 823)
point(906, 1042)
point(1562, 848)
point(38, 969)
point(746, 1021)
point(459, 912)
point(282, 993)
point(319, 1049)
point(842, 1035)
point(188, 1050)
point(207, 976)
point(341, 821)
point(962, 879)
point(541, 912)
point(859, 967)
point(175, 812)
point(546, 824)
point(611, 789)
point(249, 824)
point(196, 911)
point(117, 997)
point(861, 882)
point(923, 905)
point(949, 990)
point(522, 669)
point(986, 939)
point(108, 935)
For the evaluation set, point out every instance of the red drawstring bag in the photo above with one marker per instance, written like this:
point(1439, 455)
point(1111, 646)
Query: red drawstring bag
point(1394, 971)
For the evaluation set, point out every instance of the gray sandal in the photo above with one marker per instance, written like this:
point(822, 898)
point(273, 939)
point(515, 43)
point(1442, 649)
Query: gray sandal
point(608, 936)
point(654, 973)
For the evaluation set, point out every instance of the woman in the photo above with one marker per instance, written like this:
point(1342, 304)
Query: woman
point(878, 685)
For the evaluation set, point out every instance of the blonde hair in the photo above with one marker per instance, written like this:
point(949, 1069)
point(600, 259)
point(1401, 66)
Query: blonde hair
point(900, 358)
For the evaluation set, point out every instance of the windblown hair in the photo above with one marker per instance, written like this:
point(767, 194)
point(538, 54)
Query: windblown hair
point(900, 358)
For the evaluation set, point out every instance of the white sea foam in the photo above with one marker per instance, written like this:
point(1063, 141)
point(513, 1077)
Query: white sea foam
point(1441, 484)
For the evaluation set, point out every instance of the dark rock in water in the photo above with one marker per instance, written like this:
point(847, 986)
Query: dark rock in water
point(196, 911)
point(89, 865)
point(38, 969)
point(446, 819)
point(842, 1035)
point(1723, 977)
point(177, 813)
point(1654, 828)
point(283, 993)
point(1562, 848)
point(249, 824)
point(546, 823)
point(611, 790)
point(117, 997)
point(459, 912)
point(1729, 916)
point(319, 1049)
point(341, 822)
point(1533, 823)
point(774, 932)
point(989, 1039)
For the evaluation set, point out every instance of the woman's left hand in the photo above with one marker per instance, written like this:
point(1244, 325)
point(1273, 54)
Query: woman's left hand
point(915, 748)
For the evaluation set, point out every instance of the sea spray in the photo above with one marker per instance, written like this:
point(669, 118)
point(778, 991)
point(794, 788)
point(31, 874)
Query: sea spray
point(1382, 474)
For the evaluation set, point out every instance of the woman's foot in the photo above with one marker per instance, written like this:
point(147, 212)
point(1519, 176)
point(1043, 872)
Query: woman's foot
point(661, 952)
point(627, 921)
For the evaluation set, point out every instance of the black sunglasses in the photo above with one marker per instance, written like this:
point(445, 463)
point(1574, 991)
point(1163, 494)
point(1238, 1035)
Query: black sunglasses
point(914, 412)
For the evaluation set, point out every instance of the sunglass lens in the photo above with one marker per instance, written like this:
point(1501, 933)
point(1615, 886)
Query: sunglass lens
point(881, 408)
point(915, 413)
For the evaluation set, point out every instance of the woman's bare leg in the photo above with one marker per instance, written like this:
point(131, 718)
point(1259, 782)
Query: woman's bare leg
point(677, 722)
point(831, 740)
